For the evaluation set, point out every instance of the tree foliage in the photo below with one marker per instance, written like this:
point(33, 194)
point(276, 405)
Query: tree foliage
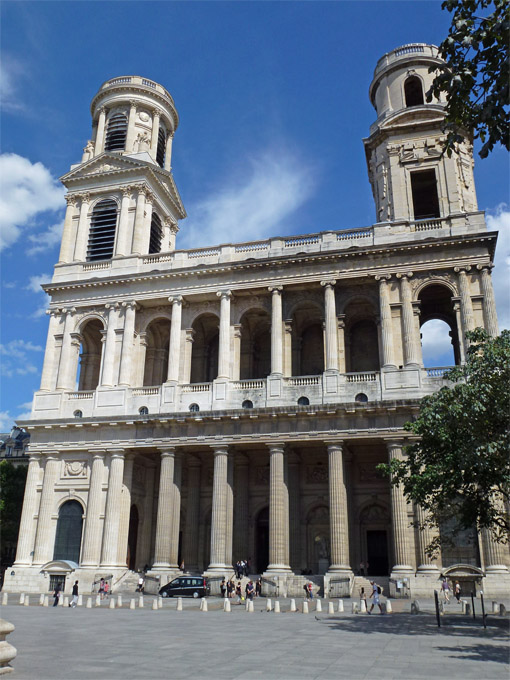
point(475, 78)
point(12, 489)
point(458, 470)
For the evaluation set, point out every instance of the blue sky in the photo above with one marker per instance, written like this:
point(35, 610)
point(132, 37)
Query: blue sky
point(272, 99)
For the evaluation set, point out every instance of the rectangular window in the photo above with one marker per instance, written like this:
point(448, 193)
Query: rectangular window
point(425, 199)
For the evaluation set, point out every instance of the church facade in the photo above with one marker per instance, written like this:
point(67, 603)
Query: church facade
point(234, 402)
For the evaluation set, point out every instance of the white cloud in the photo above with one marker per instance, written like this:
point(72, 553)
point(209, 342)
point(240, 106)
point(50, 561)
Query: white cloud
point(254, 204)
point(28, 190)
point(15, 358)
point(499, 220)
point(10, 72)
point(46, 240)
point(34, 283)
point(6, 421)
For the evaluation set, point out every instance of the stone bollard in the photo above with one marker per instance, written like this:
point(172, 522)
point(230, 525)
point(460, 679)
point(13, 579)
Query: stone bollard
point(98, 600)
point(132, 603)
point(415, 607)
point(355, 608)
point(5, 598)
point(26, 601)
point(293, 605)
point(204, 605)
point(269, 606)
point(140, 601)
point(304, 609)
point(46, 602)
point(502, 609)
point(41, 599)
point(331, 607)
point(362, 607)
point(251, 608)
point(340, 606)
point(179, 604)
point(89, 603)
point(466, 607)
point(276, 607)
point(160, 602)
point(22, 598)
point(119, 600)
point(318, 606)
point(389, 610)
point(495, 607)
point(227, 607)
point(7, 651)
point(80, 600)
point(154, 604)
point(112, 603)
point(61, 600)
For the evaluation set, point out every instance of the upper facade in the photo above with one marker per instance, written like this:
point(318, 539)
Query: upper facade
point(139, 328)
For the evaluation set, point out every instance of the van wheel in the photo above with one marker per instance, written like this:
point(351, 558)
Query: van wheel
point(195, 595)
point(164, 594)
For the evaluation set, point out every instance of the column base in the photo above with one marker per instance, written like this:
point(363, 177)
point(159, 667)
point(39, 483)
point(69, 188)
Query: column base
point(428, 569)
point(402, 569)
point(218, 569)
point(497, 569)
point(163, 566)
point(278, 569)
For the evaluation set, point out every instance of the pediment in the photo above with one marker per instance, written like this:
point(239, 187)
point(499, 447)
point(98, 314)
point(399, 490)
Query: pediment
point(413, 116)
point(104, 164)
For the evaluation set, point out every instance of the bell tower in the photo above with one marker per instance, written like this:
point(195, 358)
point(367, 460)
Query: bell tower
point(122, 199)
point(411, 179)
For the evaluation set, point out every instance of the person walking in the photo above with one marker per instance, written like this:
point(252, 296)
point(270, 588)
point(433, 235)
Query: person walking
point(249, 590)
point(376, 591)
point(445, 587)
point(258, 587)
point(362, 597)
point(74, 601)
point(230, 588)
point(101, 588)
point(141, 583)
point(223, 588)
point(57, 594)
point(457, 591)
point(239, 592)
point(106, 589)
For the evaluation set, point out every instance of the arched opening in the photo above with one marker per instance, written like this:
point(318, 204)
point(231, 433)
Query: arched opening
point(156, 353)
point(440, 343)
point(318, 553)
point(90, 355)
point(103, 226)
point(375, 532)
point(255, 345)
point(364, 347)
point(116, 132)
point(303, 401)
point(413, 91)
point(132, 538)
point(262, 540)
point(307, 340)
point(156, 235)
point(204, 356)
point(160, 152)
point(68, 535)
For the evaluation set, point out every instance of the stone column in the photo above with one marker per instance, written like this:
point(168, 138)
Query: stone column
point(130, 137)
point(50, 354)
point(237, 331)
point(64, 379)
point(278, 511)
point(176, 512)
point(409, 340)
point(386, 322)
point(230, 511)
point(399, 517)
point(91, 551)
point(108, 358)
point(188, 351)
point(224, 339)
point(168, 152)
point(190, 544)
point(101, 124)
point(123, 244)
point(287, 360)
point(219, 510)
point(338, 513)
point(489, 303)
point(27, 526)
point(138, 236)
point(276, 330)
point(341, 343)
point(43, 550)
point(174, 230)
point(495, 554)
point(112, 513)
point(331, 325)
point(156, 114)
point(426, 535)
point(165, 508)
point(67, 244)
point(466, 304)
point(125, 509)
point(241, 504)
point(174, 350)
point(294, 511)
point(460, 334)
point(82, 233)
point(126, 355)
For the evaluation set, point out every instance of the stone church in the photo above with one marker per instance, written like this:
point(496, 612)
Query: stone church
point(233, 402)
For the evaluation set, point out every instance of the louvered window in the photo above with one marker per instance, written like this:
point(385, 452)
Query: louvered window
point(160, 153)
point(156, 234)
point(116, 132)
point(102, 231)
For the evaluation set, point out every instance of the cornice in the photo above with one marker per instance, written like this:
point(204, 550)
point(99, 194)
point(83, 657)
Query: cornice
point(167, 102)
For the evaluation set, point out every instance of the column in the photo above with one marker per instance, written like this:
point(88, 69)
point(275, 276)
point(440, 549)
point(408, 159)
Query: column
point(399, 518)
point(338, 513)
point(50, 354)
point(168, 152)
point(126, 356)
point(190, 544)
point(123, 244)
point(67, 244)
point(495, 554)
point(466, 304)
point(27, 524)
point(65, 381)
point(43, 550)
point(101, 124)
point(80, 250)
point(331, 325)
point(224, 339)
point(125, 509)
point(112, 512)
point(409, 340)
point(174, 349)
point(237, 332)
point(219, 510)
point(426, 535)
point(108, 358)
point(156, 114)
point(489, 303)
point(460, 335)
point(294, 511)
point(174, 230)
point(176, 512)
point(386, 322)
point(91, 551)
point(165, 507)
point(287, 360)
point(130, 137)
point(188, 351)
point(276, 330)
point(241, 506)
point(341, 343)
point(278, 511)
point(138, 236)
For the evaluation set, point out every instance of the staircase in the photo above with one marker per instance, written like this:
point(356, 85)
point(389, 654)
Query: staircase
point(364, 582)
point(127, 582)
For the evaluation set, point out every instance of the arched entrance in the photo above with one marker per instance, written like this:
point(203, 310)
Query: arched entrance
point(132, 538)
point(262, 540)
point(69, 528)
point(375, 533)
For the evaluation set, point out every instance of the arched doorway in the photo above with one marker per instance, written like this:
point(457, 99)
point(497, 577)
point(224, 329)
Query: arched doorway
point(436, 303)
point(90, 355)
point(262, 540)
point(69, 528)
point(204, 355)
point(132, 538)
point(156, 354)
point(375, 533)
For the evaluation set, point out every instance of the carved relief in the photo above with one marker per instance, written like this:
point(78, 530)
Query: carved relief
point(316, 474)
point(262, 475)
point(75, 469)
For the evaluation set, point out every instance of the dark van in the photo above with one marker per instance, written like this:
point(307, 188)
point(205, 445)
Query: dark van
point(186, 586)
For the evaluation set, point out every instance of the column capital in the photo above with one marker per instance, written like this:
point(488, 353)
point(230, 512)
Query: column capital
point(334, 445)
point(133, 103)
point(405, 275)
point(190, 334)
point(276, 448)
point(36, 457)
point(238, 329)
point(116, 453)
point(485, 267)
point(156, 111)
point(176, 299)
point(382, 278)
point(102, 109)
point(328, 283)
point(100, 453)
point(130, 304)
point(167, 451)
point(71, 199)
point(463, 269)
point(275, 289)
point(220, 450)
point(84, 197)
point(112, 306)
point(126, 190)
point(224, 294)
point(149, 197)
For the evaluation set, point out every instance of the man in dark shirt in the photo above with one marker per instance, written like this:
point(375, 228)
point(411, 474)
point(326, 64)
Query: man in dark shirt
point(74, 601)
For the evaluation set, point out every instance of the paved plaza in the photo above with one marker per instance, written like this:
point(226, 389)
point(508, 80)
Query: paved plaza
point(105, 644)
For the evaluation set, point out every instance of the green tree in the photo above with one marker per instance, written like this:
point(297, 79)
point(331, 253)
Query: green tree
point(475, 78)
point(12, 489)
point(458, 470)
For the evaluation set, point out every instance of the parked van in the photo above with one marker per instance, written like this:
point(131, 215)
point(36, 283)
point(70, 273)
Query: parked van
point(186, 586)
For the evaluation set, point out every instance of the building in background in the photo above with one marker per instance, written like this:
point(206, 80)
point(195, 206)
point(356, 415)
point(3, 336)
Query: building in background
point(234, 402)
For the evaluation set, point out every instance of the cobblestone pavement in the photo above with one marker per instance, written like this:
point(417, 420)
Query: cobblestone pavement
point(122, 644)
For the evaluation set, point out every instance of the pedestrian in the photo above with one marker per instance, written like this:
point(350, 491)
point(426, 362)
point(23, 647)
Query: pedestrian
point(376, 591)
point(307, 592)
point(245, 568)
point(249, 590)
point(362, 597)
point(182, 567)
point(101, 588)
point(445, 587)
point(230, 588)
point(258, 587)
point(310, 589)
point(57, 594)
point(106, 589)
point(74, 601)
point(223, 588)
point(457, 591)
point(239, 592)
point(141, 583)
